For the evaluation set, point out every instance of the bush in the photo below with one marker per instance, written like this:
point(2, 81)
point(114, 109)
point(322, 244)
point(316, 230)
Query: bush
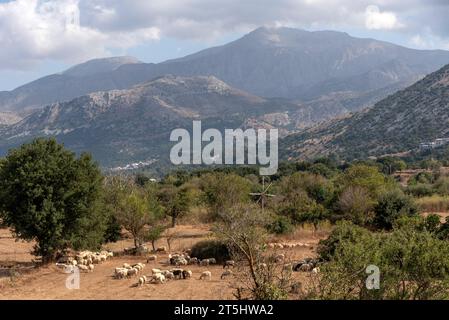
point(412, 261)
point(420, 190)
point(442, 186)
point(280, 225)
point(344, 232)
point(211, 249)
point(392, 205)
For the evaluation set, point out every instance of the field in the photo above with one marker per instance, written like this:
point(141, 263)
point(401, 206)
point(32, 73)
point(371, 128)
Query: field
point(19, 281)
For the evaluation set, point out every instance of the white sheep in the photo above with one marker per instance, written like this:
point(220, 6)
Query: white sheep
point(206, 274)
point(91, 267)
point(156, 271)
point(83, 268)
point(127, 266)
point(169, 275)
point(142, 281)
point(74, 263)
point(316, 270)
point(158, 278)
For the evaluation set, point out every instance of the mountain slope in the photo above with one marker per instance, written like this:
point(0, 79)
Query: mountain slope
point(420, 113)
point(85, 78)
point(268, 62)
point(122, 126)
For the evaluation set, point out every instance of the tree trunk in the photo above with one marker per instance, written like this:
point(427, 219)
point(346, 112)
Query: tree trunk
point(173, 221)
point(153, 243)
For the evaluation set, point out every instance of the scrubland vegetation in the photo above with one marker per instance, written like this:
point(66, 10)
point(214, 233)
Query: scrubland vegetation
point(63, 202)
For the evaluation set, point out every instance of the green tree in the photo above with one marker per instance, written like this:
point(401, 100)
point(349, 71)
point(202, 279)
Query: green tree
point(135, 211)
point(366, 177)
point(392, 205)
point(223, 191)
point(50, 196)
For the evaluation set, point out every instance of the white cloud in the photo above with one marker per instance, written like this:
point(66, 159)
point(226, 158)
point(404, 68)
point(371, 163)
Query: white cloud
point(32, 31)
point(377, 20)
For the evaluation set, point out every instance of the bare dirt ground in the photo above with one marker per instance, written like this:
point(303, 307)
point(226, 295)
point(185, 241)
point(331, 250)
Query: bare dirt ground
point(50, 282)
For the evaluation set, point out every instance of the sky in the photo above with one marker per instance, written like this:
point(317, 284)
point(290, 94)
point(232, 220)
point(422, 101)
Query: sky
point(41, 37)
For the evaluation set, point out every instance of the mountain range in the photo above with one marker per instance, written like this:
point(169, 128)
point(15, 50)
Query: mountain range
point(122, 109)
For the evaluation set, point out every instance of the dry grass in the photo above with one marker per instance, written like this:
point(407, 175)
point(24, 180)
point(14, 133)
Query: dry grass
point(434, 203)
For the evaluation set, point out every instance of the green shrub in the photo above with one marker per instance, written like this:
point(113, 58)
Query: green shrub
point(211, 249)
point(420, 190)
point(392, 205)
point(280, 225)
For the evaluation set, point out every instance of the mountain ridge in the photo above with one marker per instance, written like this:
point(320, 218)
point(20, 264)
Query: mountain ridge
point(399, 123)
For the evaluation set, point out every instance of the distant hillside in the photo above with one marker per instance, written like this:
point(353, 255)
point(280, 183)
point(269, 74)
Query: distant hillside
point(420, 113)
point(122, 126)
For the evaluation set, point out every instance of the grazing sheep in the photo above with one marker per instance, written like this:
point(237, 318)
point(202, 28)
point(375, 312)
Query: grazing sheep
point(187, 274)
point(133, 272)
point(91, 267)
point(152, 258)
point(212, 261)
point(74, 263)
point(126, 266)
point(206, 274)
point(142, 281)
point(226, 273)
point(193, 261)
point(228, 264)
point(121, 273)
point(316, 270)
point(161, 249)
point(83, 268)
point(156, 271)
point(278, 246)
point(204, 262)
point(158, 278)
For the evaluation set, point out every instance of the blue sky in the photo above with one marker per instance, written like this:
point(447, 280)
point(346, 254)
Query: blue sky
point(41, 37)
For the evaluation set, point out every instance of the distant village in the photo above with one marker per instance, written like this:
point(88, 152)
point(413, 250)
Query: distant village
point(433, 144)
point(135, 165)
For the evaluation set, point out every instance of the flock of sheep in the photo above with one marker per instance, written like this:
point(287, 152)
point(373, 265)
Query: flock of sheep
point(84, 260)
point(161, 276)
point(277, 245)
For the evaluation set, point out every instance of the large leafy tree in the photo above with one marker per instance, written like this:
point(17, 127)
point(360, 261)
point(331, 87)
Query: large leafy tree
point(50, 196)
